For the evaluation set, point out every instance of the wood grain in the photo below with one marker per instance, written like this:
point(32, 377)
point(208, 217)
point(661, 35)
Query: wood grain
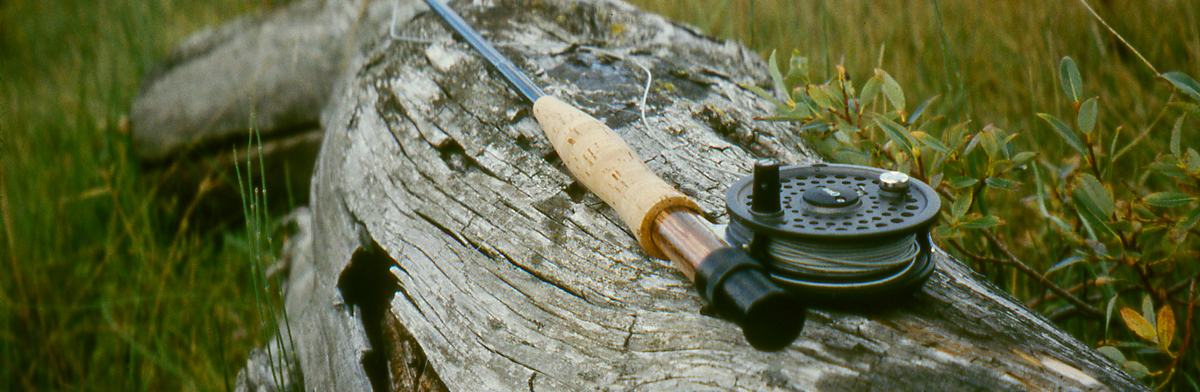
point(513, 277)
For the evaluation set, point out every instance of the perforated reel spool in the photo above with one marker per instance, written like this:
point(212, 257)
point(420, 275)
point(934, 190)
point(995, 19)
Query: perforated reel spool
point(836, 234)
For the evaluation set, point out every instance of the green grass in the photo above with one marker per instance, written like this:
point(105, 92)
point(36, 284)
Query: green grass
point(102, 288)
point(1003, 55)
point(998, 63)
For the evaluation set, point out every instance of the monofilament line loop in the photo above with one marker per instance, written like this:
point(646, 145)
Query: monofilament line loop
point(842, 261)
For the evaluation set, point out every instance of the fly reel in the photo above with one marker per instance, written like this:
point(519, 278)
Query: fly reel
point(836, 235)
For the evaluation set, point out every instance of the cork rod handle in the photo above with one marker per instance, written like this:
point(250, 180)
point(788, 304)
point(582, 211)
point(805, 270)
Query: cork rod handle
point(601, 160)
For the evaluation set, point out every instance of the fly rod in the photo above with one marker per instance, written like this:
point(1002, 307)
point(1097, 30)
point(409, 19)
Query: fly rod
point(666, 223)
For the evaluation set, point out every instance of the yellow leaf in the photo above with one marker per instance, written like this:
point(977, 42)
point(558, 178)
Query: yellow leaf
point(1166, 327)
point(1138, 324)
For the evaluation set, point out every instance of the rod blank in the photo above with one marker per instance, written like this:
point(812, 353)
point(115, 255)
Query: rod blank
point(511, 73)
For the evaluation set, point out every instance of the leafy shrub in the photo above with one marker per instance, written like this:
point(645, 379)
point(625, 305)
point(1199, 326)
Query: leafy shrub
point(1072, 224)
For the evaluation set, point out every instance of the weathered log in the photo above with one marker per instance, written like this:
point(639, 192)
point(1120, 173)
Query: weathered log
point(451, 249)
point(512, 277)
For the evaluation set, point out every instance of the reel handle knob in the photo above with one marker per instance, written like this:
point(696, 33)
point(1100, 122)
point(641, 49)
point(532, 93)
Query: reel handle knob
point(738, 288)
point(766, 187)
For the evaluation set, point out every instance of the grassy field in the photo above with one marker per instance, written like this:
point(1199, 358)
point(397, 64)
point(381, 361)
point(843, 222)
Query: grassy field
point(104, 290)
point(101, 289)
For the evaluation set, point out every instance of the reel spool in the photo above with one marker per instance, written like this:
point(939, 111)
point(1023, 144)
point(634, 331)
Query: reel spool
point(836, 235)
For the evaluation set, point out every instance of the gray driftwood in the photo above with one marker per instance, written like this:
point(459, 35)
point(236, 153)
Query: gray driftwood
point(273, 74)
point(451, 250)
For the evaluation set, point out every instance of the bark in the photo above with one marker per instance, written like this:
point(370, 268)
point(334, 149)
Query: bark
point(451, 249)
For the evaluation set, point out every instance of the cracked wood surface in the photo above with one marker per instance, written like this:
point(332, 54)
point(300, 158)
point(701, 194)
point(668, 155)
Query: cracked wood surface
point(513, 277)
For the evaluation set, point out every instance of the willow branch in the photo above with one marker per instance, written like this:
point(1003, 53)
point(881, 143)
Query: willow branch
point(1013, 260)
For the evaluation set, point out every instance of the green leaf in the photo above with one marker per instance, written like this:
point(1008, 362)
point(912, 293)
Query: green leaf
point(936, 179)
point(1184, 83)
point(1179, 232)
point(1112, 353)
point(944, 232)
point(1065, 132)
point(1040, 190)
point(931, 142)
point(797, 70)
point(1191, 162)
point(896, 132)
point(1168, 165)
point(1004, 144)
point(1087, 116)
point(954, 137)
point(803, 100)
point(1098, 193)
point(1138, 324)
point(1091, 207)
point(983, 222)
point(962, 182)
point(1000, 183)
point(974, 141)
point(1144, 213)
point(987, 139)
point(1166, 327)
point(763, 94)
point(1101, 248)
point(851, 157)
point(1023, 157)
point(821, 97)
point(1136, 369)
point(843, 88)
point(800, 63)
point(1067, 262)
point(920, 109)
point(892, 91)
point(871, 88)
point(1168, 199)
point(1072, 83)
point(798, 113)
point(1175, 136)
point(1148, 309)
point(1108, 313)
point(1112, 148)
point(786, 117)
point(777, 78)
point(842, 136)
point(961, 205)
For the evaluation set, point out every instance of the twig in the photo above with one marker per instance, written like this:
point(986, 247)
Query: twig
point(1187, 335)
point(1039, 301)
point(1183, 284)
point(1021, 266)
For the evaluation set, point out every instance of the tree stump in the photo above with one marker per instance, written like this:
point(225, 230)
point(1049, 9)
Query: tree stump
point(450, 248)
